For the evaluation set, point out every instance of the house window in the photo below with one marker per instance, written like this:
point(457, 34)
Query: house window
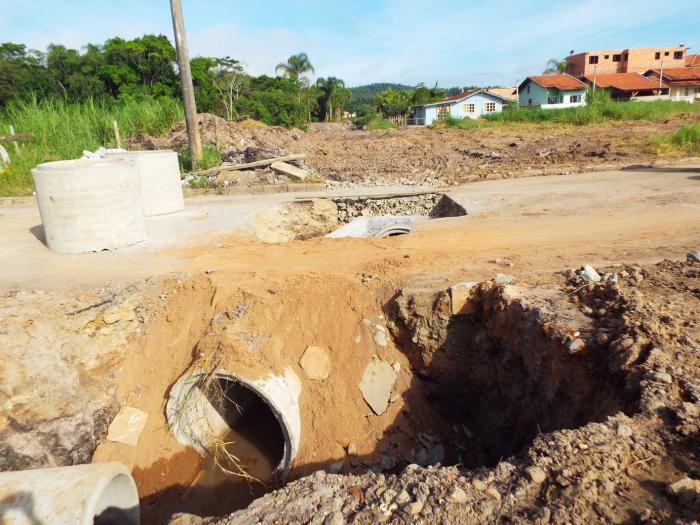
point(607, 57)
point(624, 57)
point(552, 99)
point(575, 98)
point(666, 53)
point(617, 58)
point(470, 108)
point(593, 59)
point(678, 55)
point(657, 55)
point(489, 107)
point(443, 111)
point(529, 100)
point(687, 91)
point(697, 89)
point(528, 89)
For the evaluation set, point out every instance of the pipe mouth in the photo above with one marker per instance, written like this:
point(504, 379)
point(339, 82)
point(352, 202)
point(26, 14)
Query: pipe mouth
point(72, 164)
point(117, 502)
point(237, 423)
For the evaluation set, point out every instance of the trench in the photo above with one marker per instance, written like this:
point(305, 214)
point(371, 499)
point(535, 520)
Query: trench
point(491, 380)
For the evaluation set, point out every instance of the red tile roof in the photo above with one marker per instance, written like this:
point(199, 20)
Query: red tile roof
point(679, 73)
point(461, 95)
point(561, 82)
point(692, 60)
point(624, 82)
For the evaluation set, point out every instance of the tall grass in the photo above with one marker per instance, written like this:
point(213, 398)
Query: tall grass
point(63, 131)
point(685, 140)
point(597, 112)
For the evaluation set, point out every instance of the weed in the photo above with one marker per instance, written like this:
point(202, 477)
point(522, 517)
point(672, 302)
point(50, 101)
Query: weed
point(210, 158)
point(685, 140)
point(63, 131)
point(380, 123)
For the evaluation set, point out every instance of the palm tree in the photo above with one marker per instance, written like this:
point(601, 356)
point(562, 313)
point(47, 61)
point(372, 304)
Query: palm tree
point(295, 67)
point(555, 66)
point(330, 87)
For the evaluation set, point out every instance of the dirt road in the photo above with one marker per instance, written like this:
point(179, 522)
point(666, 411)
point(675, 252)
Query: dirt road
point(538, 222)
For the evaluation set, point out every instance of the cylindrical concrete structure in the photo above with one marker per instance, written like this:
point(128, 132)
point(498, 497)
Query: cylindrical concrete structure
point(90, 205)
point(194, 421)
point(78, 495)
point(160, 180)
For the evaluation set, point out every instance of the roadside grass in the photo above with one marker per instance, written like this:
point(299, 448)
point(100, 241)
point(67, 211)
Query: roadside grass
point(685, 140)
point(62, 131)
point(211, 158)
point(380, 123)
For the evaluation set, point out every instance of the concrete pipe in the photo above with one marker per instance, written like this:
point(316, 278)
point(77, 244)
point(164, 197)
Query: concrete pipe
point(79, 495)
point(160, 180)
point(89, 205)
point(381, 226)
point(197, 420)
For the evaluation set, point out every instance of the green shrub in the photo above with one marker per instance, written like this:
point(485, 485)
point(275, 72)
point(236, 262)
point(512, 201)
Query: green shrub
point(380, 123)
point(211, 158)
point(686, 140)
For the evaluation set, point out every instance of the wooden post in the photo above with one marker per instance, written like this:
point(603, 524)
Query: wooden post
point(14, 142)
point(183, 61)
point(117, 138)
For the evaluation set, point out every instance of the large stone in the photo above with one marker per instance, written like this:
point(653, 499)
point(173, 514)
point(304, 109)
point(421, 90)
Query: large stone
point(127, 425)
point(290, 171)
point(589, 274)
point(377, 383)
point(462, 296)
point(687, 490)
point(316, 362)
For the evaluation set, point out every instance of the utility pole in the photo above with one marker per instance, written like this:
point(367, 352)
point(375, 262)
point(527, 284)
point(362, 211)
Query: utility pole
point(183, 62)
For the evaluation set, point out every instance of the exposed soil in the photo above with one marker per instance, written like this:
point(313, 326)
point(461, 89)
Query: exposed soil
point(420, 156)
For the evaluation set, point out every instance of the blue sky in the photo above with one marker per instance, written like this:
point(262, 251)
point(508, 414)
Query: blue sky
point(451, 42)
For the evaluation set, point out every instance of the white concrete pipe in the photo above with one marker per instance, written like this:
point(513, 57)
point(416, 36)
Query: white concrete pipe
point(79, 495)
point(89, 205)
point(160, 180)
point(195, 422)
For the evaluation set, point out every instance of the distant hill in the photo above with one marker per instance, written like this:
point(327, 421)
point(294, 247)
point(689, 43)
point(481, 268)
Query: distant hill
point(366, 94)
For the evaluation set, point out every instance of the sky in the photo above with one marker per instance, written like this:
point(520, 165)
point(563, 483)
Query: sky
point(451, 42)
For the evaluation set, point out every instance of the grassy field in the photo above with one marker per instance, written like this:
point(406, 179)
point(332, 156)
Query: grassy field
point(63, 131)
point(592, 114)
point(685, 141)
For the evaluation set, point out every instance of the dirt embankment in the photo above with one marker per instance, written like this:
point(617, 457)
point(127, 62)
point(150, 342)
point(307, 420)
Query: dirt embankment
point(416, 155)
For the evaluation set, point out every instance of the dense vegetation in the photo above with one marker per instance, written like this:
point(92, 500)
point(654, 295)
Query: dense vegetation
point(367, 94)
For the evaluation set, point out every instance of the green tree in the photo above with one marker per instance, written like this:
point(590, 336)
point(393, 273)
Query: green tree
point(393, 102)
point(295, 67)
point(332, 91)
point(77, 75)
point(140, 67)
point(23, 73)
point(555, 67)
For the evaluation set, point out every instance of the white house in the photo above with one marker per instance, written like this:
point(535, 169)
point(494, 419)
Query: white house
point(469, 104)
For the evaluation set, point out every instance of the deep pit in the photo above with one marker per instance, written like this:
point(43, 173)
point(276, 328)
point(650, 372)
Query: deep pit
point(478, 387)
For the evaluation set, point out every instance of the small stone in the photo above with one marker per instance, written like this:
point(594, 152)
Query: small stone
point(336, 467)
point(352, 449)
point(589, 274)
point(416, 507)
point(686, 490)
point(316, 363)
point(334, 518)
point(358, 339)
point(219, 318)
point(504, 279)
point(569, 273)
point(377, 384)
point(462, 300)
point(380, 339)
point(661, 377)
point(493, 493)
point(623, 430)
point(693, 256)
point(575, 346)
point(127, 425)
point(111, 318)
point(458, 495)
point(403, 498)
point(602, 338)
point(587, 310)
point(535, 474)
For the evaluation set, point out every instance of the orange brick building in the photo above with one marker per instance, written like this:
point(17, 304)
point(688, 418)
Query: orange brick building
point(633, 60)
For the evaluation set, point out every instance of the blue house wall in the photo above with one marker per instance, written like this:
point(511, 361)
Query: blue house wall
point(473, 106)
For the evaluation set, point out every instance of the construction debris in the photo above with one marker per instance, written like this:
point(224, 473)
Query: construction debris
point(290, 171)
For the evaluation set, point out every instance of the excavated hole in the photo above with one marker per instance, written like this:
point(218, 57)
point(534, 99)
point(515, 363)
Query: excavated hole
point(432, 205)
point(498, 384)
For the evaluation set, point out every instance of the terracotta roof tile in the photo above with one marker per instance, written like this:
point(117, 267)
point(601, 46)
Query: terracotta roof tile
point(561, 82)
point(680, 73)
point(692, 60)
point(624, 81)
point(461, 95)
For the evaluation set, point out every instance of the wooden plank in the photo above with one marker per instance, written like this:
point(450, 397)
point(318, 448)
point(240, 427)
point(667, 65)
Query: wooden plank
point(16, 137)
point(250, 165)
point(290, 171)
point(117, 137)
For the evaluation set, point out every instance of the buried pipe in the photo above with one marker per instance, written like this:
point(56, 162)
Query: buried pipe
point(100, 493)
point(380, 227)
point(205, 408)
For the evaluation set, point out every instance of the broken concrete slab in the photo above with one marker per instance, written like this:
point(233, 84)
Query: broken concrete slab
point(316, 362)
point(290, 171)
point(127, 425)
point(377, 383)
point(463, 298)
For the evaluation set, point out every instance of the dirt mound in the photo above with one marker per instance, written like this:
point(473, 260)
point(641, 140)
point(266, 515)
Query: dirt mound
point(227, 136)
point(632, 384)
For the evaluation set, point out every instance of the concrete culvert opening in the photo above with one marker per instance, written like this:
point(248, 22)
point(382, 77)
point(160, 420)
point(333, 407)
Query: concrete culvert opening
point(245, 445)
point(500, 376)
point(116, 503)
